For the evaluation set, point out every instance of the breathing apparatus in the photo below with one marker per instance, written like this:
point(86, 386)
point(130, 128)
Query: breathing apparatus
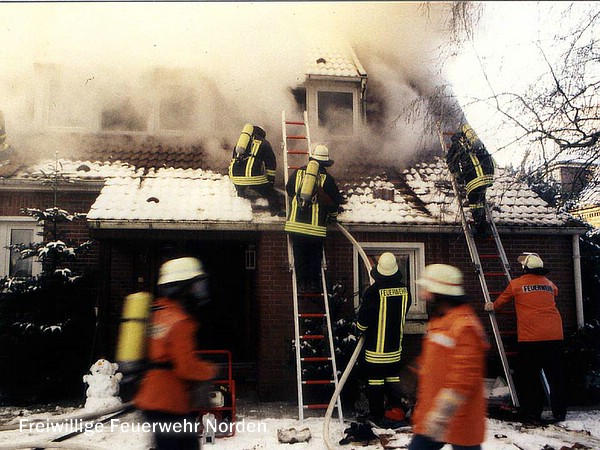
point(308, 185)
point(131, 348)
point(243, 143)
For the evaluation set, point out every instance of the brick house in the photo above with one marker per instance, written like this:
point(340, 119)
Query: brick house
point(152, 193)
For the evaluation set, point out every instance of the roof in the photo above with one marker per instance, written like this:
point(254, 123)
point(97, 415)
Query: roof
point(422, 195)
point(327, 61)
point(171, 195)
point(114, 149)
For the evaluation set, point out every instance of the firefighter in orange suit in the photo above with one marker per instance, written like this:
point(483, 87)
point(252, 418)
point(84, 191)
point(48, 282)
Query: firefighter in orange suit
point(307, 221)
point(163, 394)
point(381, 318)
point(253, 166)
point(450, 406)
point(540, 338)
point(472, 165)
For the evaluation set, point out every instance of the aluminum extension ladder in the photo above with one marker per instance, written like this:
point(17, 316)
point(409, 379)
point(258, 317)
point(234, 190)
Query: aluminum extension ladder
point(307, 306)
point(497, 253)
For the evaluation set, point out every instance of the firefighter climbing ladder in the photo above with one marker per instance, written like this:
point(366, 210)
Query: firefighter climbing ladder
point(476, 259)
point(296, 145)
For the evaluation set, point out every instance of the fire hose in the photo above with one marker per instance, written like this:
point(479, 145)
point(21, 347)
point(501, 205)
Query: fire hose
point(356, 352)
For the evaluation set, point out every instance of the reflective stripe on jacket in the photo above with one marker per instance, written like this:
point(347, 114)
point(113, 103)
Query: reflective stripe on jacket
point(312, 220)
point(171, 339)
point(382, 316)
point(472, 162)
point(453, 357)
point(538, 318)
point(256, 168)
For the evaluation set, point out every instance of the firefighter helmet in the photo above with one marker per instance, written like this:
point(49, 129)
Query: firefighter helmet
point(180, 269)
point(320, 153)
point(442, 279)
point(530, 260)
point(387, 265)
point(259, 131)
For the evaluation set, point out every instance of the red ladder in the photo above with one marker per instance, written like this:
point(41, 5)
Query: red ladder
point(307, 306)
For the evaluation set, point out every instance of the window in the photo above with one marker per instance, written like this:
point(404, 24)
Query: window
point(18, 230)
point(411, 262)
point(123, 115)
point(336, 111)
point(177, 108)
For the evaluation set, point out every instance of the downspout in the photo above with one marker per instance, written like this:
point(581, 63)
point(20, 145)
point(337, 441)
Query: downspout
point(578, 287)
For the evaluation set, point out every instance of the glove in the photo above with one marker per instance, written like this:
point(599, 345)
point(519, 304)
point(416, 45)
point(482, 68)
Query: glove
point(489, 306)
point(437, 419)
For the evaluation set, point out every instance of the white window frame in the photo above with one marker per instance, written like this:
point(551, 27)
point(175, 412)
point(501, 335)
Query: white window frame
point(416, 253)
point(9, 223)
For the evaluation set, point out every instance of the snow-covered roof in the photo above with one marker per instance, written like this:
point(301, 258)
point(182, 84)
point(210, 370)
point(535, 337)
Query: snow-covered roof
point(78, 170)
point(171, 195)
point(328, 61)
point(422, 196)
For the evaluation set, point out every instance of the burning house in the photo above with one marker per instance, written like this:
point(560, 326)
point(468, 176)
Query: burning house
point(146, 159)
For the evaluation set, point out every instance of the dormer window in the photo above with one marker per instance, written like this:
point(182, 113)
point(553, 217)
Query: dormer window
point(336, 112)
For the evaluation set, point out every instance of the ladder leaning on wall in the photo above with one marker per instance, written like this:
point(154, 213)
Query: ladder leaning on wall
point(493, 253)
point(308, 307)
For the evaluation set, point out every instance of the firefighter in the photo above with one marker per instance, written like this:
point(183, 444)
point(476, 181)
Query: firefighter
point(539, 336)
point(450, 406)
point(307, 221)
point(472, 166)
point(381, 318)
point(163, 395)
point(253, 166)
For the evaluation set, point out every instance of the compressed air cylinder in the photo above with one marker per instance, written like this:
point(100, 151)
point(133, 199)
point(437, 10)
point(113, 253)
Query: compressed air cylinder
point(244, 140)
point(309, 182)
point(132, 332)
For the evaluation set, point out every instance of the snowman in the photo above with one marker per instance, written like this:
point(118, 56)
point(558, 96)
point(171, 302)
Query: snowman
point(103, 385)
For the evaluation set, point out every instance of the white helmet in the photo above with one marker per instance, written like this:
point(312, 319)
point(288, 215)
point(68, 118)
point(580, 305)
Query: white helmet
point(320, 152)
point(180, 269)
point(530, 260)
point(442, 279)
point(387, 265)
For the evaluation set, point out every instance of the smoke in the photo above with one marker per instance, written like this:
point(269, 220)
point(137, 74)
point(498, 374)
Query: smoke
point(242, 59)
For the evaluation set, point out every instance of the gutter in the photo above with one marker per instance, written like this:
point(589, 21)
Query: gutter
point(578, 286)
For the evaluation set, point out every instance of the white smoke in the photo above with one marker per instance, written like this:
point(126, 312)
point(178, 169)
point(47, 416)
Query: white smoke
point(245, 55)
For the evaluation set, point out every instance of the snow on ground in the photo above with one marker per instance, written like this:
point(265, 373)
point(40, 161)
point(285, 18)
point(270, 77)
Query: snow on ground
point(256, 431)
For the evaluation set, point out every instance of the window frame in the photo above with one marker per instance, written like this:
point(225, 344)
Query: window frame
point(416, 253)
point(9, 223)
point(352, 125)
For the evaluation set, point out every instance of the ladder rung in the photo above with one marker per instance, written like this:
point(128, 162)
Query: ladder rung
point(293, 123)
point(316, 358)
point(510, 353)
point(495, 292)
point(312, 315)
point(495, 274)
point(489, 256)
point(310, 294)
point(296, 137)
point(312, 336)
point(293, 167)
point(317, 382)
point(297, 152)
point(316, 406)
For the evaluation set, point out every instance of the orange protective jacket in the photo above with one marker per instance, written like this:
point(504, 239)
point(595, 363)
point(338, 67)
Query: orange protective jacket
point(453, 357)
point(171, 340)
point(538, 319)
